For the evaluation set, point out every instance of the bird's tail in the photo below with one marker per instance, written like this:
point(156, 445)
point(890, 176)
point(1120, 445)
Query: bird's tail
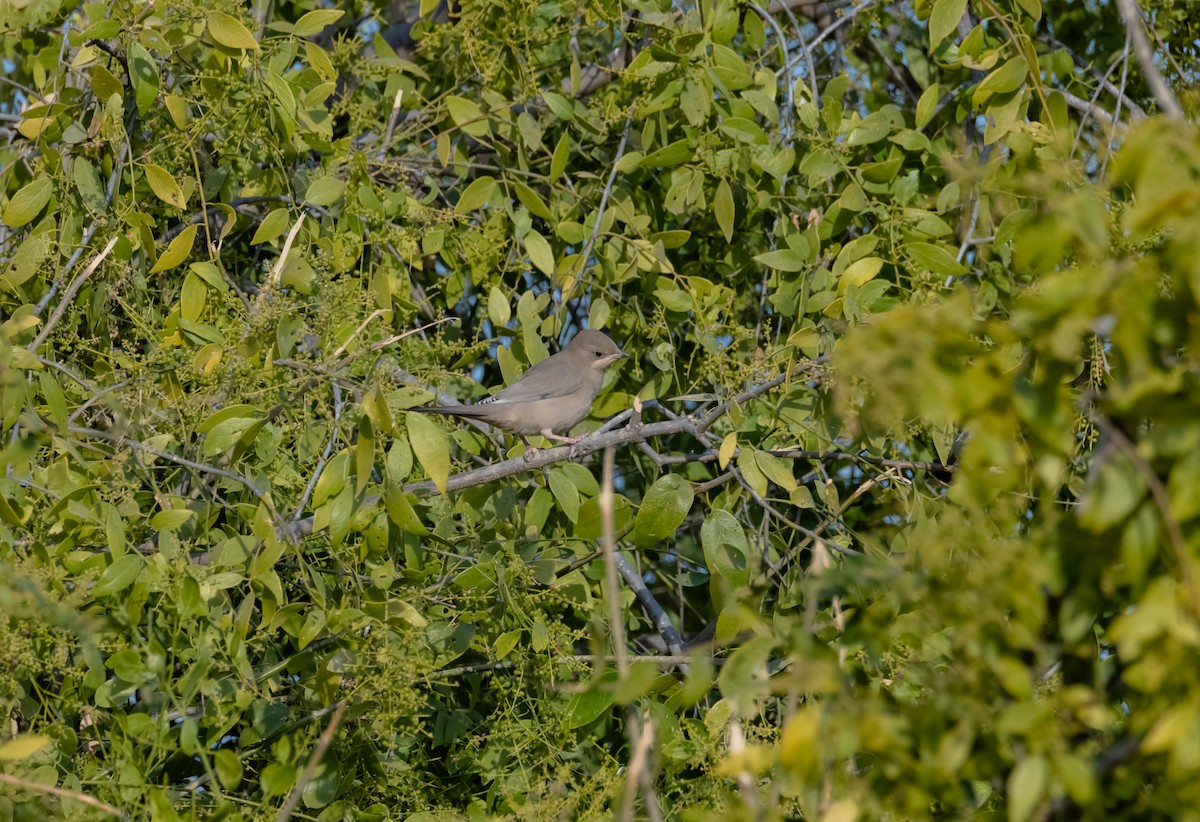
point(469, 411)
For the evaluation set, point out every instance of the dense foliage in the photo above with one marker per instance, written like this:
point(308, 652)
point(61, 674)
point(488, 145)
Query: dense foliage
point(905, 465)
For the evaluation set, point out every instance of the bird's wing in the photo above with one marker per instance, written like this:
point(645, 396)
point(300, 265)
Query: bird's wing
point(547, 380)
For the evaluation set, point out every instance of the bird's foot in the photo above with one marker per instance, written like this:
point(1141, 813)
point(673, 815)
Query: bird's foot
point(530, 452)
point(571, 441)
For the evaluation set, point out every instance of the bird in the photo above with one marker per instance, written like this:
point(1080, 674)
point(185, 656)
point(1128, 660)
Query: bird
point(550, 397)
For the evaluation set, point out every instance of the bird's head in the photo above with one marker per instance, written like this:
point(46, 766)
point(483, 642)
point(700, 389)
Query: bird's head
point(593, 349)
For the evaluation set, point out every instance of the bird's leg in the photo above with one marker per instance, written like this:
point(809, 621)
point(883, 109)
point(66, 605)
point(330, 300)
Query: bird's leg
point(530, 451)
point(572, 441)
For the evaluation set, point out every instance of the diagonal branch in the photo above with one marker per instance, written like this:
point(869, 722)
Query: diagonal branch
point(1145, 55)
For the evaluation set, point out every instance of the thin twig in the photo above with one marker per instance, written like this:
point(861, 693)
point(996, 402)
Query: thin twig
point(277, 272)
point(310, 769)
point(638, 762)
point(54, 790)
point(117, 439)
point(69, 294)
point(338, 404)
point(1145, 55)
point(1162, 501)
point(387, 140)
point(612, 175)
point(616, 621)
point(790, 65)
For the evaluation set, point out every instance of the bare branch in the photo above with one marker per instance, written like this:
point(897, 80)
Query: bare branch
point(310, 770)
point(54, 790)
point(1145, 55)
point(70, 293)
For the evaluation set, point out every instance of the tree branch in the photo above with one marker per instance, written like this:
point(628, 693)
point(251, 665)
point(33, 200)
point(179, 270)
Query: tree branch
point(1145, 55)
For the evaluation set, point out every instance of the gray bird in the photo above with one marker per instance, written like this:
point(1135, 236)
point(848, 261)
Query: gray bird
point(552, 396)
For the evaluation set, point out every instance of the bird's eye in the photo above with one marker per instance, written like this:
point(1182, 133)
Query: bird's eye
point(599, 354)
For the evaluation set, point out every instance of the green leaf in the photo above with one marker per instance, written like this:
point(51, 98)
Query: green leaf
point(540, 253)
point(87, 181)
point(936, 259)
point(586, 706)
point(859, 272)
point(566, 493)
point(105, 84)
point(944, 19)
point(723, 209)
point(1026, 787)
point(143, 76)
point(118, 576)
point(192, 297)
point(506, 642)
point(1009, 77)
point(177, 251)
point(559, 105)
point(562, 153)
point(776, 469)
point(468, 116)
point(927, 104)
point(28, 202)
point(315, 21)
point(22, 747)
point(228, 31)
point(532, 201)
point(172, 519)
point(401, 512)
point(325, 191)
point(25, 262)
point(783, 259)
point(272, 226)
point(663, 510)
point(429, 445)
point(164, 186)
point(1031, 7)
point(668, 156)
point(476, 195)
point(225, 434)
point(227, 413)
point(228, 768)
point(726, 550)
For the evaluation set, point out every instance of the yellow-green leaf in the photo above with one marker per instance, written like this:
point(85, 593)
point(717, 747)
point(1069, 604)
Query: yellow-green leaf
point(540, 252)
point(143, 76)
point(25, 262)
point(104, 83)
point(22, 747)
point(728, 446)
point(429, 445)
point(476, 194)
point(177, 251)
point(229, 31)
point(532, 201)
point(325, 192)
point(28, 202)
point(192, 296)
point(663, 510)
point(859, 272)
point(178, 109)
point(1008, 77)
point(944, 19)
point(118, 576)
point(562, 153)
point(468, 116)
point(314, 21)
point(164, 186)
point(723, 209)
point(272, 226)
